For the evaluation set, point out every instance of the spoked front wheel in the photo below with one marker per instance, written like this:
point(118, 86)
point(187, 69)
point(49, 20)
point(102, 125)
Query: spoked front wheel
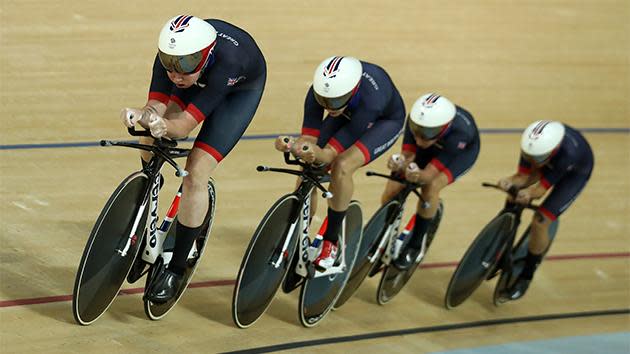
point(373, 232)
point(479, 260)
point(393, 279)
point(103, 267)
point(157, 311)
point(318, 295)
point(264, 264)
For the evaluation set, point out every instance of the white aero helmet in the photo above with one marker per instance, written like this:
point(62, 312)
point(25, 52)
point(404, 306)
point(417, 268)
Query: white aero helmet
point(431, 115)
point(185, 44)
point(336, 80)
point(541, 139)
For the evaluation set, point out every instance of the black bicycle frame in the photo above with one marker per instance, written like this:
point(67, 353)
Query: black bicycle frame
point(312, 177)
point(408, 187)
point(164, 151)
point(505, 259)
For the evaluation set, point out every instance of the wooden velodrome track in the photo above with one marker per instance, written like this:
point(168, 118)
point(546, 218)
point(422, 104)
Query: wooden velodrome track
point(66, 69)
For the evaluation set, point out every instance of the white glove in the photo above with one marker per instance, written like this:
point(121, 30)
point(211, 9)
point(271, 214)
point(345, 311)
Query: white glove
point(395, 162)
point(131, 116)
point(157, 125)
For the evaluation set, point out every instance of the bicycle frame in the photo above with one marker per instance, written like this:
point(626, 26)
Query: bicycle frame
point(307, 251)
point(164, 151)
point(386, 250)
point(504, 257)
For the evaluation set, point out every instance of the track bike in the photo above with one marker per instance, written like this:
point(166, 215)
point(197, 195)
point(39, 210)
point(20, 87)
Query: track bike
point(281, 252)
point(126, 242)
point(495, 251)
point(382, 243)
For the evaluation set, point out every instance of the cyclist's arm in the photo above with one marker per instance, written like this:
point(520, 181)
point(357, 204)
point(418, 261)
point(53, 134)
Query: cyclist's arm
point(428, 173)
point(409, 158)
point(526, 174)
point(306, 138)
point(156, 107)
point(324, 155)
point(522, 180)
point(179, 124)
point(536, 190)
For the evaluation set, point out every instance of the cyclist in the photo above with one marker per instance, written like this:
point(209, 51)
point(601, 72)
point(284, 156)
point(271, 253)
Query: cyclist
point(552, 155)
point(441, 144)
point(207, 72)
point(353, 113)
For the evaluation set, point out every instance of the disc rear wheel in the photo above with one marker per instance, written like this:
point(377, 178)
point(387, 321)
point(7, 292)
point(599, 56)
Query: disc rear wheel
point(156, 311)
point(318, 295)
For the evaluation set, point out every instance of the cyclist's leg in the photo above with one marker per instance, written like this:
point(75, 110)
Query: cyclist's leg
point(354, 152)
point(458, 166)
point(561, 197)
point(217, 137)
point(342, 188)
point(427, 208)
point(391, 189)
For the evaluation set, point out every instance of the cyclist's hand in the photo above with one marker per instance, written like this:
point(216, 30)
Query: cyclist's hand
point(412, 173)
point(524, 196)
point(505, 184)
point(157, 125)
point(131, 116)
point(284, 143)
point(305, 151)
point(396, 162)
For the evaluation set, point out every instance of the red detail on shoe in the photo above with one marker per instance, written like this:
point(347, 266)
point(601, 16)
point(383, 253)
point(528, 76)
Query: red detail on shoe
point(329, 250)
point(134, 239)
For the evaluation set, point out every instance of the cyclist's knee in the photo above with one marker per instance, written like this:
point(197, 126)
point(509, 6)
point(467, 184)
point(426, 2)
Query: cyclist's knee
point(432, 189)
point(391, 189)
point(343, 167)
point(197, 178)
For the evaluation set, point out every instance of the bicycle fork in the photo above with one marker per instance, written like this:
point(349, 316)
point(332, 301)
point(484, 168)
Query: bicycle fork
point(283, 254)
point(133, 237)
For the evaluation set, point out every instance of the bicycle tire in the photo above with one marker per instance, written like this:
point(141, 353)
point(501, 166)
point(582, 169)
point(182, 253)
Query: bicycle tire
point(258, 280)
point(519, 252)
point(158, 311)
point(373, 232)
point(318, 295)
point(393, 280)
point(102, 270)
point(471, 270)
